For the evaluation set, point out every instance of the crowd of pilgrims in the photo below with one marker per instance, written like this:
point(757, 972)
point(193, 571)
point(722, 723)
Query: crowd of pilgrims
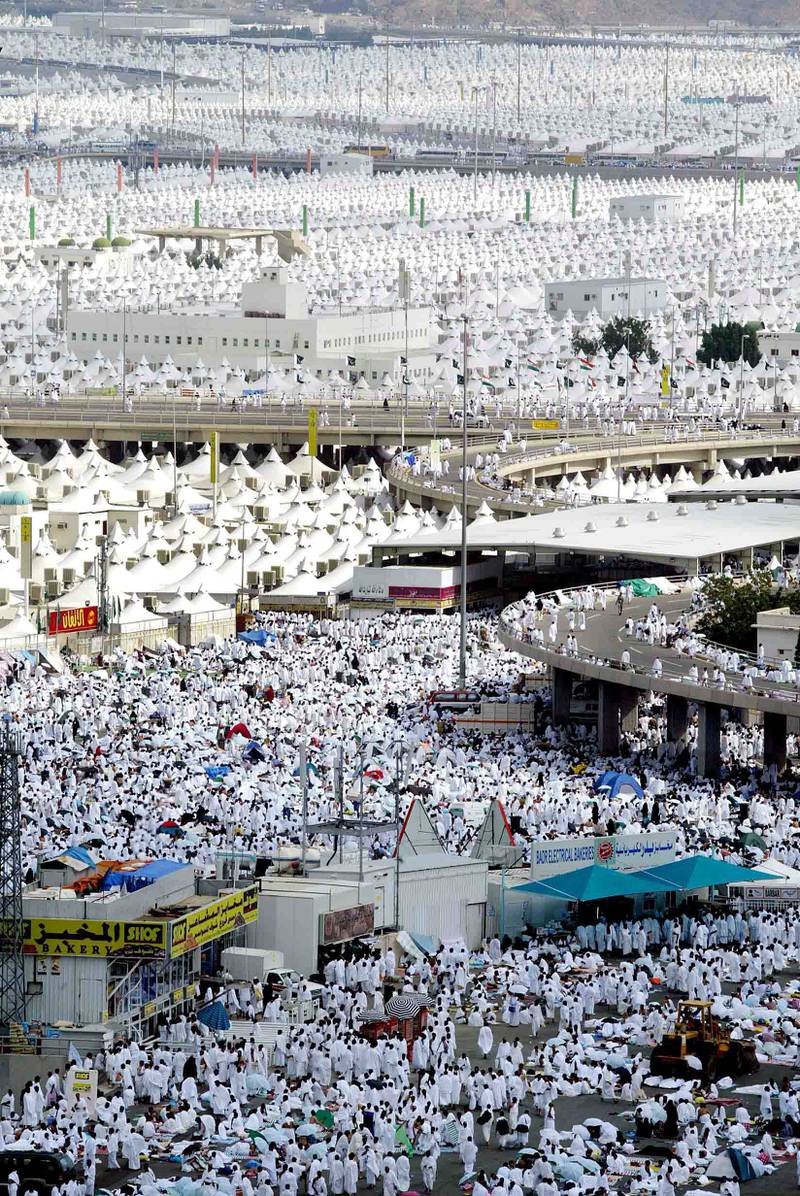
point(512, 1029)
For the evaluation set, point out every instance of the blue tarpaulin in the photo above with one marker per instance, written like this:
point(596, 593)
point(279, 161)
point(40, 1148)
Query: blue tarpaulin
point(614, 781)
point(217, 771)
point(259, 637)
point(140, 877)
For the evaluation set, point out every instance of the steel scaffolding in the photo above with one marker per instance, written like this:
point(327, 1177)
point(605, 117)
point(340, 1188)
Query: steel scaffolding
point(12, 963)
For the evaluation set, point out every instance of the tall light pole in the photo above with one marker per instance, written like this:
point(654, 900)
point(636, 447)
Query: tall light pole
point(475, 91)
point(736, 167)
point(462, 652)
point(519, 78)
point(494, 129)
point(243, 115)
point(666, 90)
point(745, 337)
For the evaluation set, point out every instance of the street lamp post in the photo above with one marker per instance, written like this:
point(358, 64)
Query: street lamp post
point(462, 654)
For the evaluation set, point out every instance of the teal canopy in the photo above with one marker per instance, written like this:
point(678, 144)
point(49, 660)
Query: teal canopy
point(596, 883)
point(700, 872)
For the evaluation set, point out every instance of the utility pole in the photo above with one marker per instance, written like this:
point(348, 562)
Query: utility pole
point(102, 587)
point(462, 651)
point(666, 90)
point(174, 72)
point(304, 783)
point(243, 118)
point(475, 177)
point(124, 347)
point(269, 71)
point(387, 74)
point(494, 130)
point(12, 960)
point(519, 77)
point(358, 125)
point(736, 168)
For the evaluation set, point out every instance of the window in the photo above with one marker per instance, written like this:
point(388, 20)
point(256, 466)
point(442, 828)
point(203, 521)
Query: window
point(178, 340)
point(246, 342)
point(188, 340)
point(146, 339)
point(772, 352)
point(795, 352)
point(105, 337)
point(236, 342)
point(199, 340)
point(166, 340)
point(305, 343)
point(94, 336)
point(224, 340)
point(586, 298)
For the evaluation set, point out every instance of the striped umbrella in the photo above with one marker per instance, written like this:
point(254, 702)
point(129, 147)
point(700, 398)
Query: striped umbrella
point(404, 1005)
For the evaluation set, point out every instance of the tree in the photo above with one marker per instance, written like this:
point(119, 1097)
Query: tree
point(723, 342)
point(628, 331)
point(732, 609)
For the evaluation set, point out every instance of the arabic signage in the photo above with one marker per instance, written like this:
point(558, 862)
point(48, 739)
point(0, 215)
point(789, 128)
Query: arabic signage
point(703, 99)
point(748, 99)
point(626, 853)
point(343, 924)
point(214, 920)
point(69, 936)
point(79, 618)
point(546, 425)
point(82, 1084)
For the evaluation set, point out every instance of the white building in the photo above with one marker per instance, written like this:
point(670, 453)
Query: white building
point(777, 632)
point(273, 324)
point(779, 347)
point(141, 25)
point(352, 165)
point(608, 296)
point(646, 207)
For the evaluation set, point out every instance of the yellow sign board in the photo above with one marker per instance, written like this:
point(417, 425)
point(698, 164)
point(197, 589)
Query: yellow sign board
point(665, 379)
point(214, 443)
point(26, 529)
point(546, 425)
point(214, 920)
point(70, 936)
point(312, 432)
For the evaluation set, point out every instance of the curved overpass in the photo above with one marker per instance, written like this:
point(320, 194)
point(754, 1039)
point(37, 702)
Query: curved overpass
point(588, 453)
point(598, 658)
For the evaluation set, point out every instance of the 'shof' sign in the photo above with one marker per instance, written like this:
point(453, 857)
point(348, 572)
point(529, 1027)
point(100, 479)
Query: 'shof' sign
point(80, 618)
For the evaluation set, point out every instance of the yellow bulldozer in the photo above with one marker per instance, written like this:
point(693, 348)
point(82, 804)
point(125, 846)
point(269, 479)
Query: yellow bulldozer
point(699, 1036)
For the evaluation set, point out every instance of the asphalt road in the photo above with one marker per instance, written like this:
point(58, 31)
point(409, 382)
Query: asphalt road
point(569, 1111)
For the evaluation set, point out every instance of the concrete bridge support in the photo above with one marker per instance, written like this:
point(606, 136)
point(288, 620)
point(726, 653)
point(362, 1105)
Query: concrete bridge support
point(617, 710)
point(561, 690)
point(775, 739)
point(677, 717)
point(708, 740)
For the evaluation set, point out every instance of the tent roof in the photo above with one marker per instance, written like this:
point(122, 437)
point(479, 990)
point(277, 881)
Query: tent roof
point(594, 884)
point(701, 871)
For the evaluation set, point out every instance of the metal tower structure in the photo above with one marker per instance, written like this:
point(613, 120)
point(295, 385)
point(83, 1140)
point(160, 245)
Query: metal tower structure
point(12, 963)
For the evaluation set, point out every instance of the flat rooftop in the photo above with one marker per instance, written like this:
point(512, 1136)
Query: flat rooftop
point(654, 532)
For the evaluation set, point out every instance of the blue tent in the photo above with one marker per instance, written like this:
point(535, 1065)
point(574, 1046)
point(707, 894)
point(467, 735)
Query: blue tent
point(595, 883)
point(701, 872)
point(741, 1165)
point(614, 781)
point(217, 771)
point(215, 1016)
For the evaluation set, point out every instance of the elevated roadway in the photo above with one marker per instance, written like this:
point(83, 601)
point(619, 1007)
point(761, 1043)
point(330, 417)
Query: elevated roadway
point(619, 685)
point(547, 457)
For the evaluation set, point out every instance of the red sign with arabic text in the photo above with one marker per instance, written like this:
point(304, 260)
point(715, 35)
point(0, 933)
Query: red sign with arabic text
point(80, 618)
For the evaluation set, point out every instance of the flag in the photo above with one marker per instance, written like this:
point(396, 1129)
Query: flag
point(351, 361)
point(455, 363)
point(73, 1055)
point(406, 380)
point(620, 380)
point(585, 364)
point(404, 361)
point(725, 383)
point(460, 379)
point(298, 360)
point(402, 1138)
point(508, 363)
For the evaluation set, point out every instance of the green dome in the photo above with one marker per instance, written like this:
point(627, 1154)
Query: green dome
point(120, 243)
point(67, 241)
point(101, 243)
